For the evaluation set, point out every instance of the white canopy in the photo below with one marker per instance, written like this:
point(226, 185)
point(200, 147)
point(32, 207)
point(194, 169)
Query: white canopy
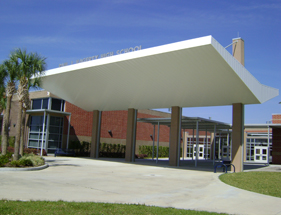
point(192, 73)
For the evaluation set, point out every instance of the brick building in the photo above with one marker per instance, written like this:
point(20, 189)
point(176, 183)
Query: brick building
point(114, 125)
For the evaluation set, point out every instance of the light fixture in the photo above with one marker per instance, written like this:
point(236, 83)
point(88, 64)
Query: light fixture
point(110, 133)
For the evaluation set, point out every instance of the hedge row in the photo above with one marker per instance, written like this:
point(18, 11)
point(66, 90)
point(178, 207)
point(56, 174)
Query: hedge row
point(26, 151)
point(105, 149)
point(163, 151)
point(116, 150)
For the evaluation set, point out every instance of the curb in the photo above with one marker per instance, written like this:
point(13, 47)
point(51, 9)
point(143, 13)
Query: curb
point(24, 169)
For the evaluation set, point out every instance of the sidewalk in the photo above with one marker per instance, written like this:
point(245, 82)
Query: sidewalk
point(82, 179)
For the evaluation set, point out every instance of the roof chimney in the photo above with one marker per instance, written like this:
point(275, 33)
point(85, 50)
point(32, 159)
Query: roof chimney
point(238, 49)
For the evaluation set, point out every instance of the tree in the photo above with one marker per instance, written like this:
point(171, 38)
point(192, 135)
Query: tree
point(3, 75)
point(10, 67)
point(31, 67)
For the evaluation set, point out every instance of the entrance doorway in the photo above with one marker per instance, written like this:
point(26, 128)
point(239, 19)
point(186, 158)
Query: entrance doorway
point(261, 154)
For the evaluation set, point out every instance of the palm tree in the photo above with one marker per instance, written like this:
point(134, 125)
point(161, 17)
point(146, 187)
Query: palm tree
point(10, 67)
point(3, 75)
point(31, 66)
point(25, 106)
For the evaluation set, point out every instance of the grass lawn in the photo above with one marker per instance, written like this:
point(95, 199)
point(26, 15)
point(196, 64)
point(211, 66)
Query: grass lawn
point(268, 183)
point(60, 207)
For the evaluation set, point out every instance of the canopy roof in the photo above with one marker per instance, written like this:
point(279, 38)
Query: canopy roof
point(190, 123)
point(192, 73)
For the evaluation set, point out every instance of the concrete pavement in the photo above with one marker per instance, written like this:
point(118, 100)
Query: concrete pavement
point(84, 179)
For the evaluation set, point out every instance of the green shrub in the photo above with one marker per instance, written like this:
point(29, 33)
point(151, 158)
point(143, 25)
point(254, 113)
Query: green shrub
point(15, 163)
point(5, 159)
point(25, 162)
point(112, 150)
point(163, 151)
point(74, 145)
point(81, 149)
point(34, 159)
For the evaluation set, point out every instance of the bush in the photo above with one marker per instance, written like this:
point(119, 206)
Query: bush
point(34, 151)
point(162, 152)
point(15, 163)
point(81, 149)
point(25, 162)
point(112, 150)
point(34, 159)
point(5, 159)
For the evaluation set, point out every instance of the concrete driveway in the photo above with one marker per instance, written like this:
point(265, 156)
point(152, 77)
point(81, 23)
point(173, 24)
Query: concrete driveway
point(82, 179)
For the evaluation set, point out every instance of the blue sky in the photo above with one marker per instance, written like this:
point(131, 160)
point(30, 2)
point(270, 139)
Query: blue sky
point(67, 30)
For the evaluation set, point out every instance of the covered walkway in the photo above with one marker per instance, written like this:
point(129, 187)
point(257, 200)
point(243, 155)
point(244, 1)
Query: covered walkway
point(192, 73)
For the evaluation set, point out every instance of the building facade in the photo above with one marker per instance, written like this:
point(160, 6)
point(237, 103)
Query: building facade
point(53, 123)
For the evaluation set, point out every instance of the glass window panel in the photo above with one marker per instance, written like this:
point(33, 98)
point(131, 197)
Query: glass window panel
point(54, 137)
point(56, 104)
point(34, 143)
point(45, 103)
point(54, 130)
point(36, 103)
point(35, 128)
point(36, 120)
point(56, 121)
point(53, 144)
point(35, 136)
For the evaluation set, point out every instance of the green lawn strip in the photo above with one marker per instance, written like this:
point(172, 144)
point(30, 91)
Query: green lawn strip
point(61, 207)
point(268, 183)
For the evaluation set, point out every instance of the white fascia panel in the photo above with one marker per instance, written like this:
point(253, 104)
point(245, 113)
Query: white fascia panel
point(262, 92)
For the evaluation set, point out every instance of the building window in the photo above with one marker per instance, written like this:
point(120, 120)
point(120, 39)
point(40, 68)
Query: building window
point(36, 132)
point(57, 104)
point(40, 103)
point(54, 139)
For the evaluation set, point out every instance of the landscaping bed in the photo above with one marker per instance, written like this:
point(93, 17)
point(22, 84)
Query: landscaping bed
point(27, 160)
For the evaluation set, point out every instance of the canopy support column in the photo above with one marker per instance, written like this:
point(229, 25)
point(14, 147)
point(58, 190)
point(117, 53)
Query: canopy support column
point(131, 135)
point(197, 142)
point(153, 142)
point(96, 134)
point(268, 147)
point(158, 133)
point(175, 136)
point(214, 144)
point(237, 136)
point(43, 136)
point(68, 131)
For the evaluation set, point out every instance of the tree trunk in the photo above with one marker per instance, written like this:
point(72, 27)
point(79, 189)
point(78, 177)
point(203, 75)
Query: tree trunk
point(18, 131)
point(22, 131)
point(5, 126)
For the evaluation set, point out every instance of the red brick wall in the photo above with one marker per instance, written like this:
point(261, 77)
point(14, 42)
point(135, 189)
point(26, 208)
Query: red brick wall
point(116, 121)
point(276, 118)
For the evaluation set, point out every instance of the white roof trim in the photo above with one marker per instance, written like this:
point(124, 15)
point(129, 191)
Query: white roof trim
point(191, 73)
